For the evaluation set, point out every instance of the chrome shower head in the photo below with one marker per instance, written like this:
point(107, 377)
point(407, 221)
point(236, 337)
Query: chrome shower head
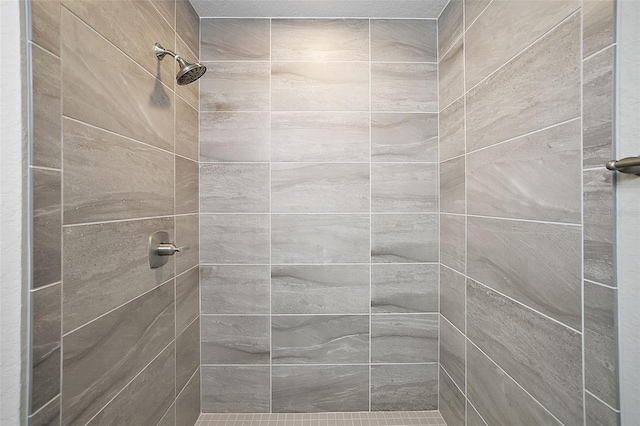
point(188, 72)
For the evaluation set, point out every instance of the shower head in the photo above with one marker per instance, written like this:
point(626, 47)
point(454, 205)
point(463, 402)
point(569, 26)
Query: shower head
point(188, 72)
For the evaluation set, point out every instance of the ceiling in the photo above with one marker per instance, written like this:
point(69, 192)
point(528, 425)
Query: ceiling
point(417, 9)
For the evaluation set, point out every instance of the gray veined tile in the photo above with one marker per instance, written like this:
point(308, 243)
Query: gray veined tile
point(187, 235)
point(188, 402)
point(46, 224)
point(187, 186)
point(235, 86)
point(319, 136)
point(451, 402)
point(404, 288)
point(234, 238)
point(45, 379)
point(235, 389)
point(403, 338)
point(599, 414)
point(187, 130)
point(320, 339)
point(404, 187)
point(187, 299)
point(404, 238)
point(450, 26)
point(404, 40)
point(453, 241)
point(230, 289)
point(188, 24)
point(45, 24)
point(473, 9)
point(599, 25)
point(599, 226)
point(537, 264)
point(320, 238)
point(234, 188)
point(452, 352)
point(235, 339)
point(539, 88)
point(452, 136)
point(46, 98)
point(451, 75)
point(234, 39)
point(404, 87)
point(320, 40)
point(190, 92)
point(543, 356)
point(404, 387)
point(404, 137)
point(49, 415)
point(473, 418)
point(452, 186)
point(320, 289)
point(320, 86)
point(167, 9)
point(319, 188)
point(533, 177)
point(304, 389)
point(187, 355)
point(234, 136)
point(169, 418)
point(452, 297)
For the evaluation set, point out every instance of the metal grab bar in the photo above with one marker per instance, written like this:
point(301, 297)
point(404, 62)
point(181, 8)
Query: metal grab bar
point(626, 165)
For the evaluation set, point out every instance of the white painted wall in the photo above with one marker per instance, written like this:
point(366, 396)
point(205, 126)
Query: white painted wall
point(12, 213)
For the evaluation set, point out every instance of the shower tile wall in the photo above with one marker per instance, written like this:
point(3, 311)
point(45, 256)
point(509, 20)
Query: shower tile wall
point(114, 158)
point(527, 333)
point(319, 215)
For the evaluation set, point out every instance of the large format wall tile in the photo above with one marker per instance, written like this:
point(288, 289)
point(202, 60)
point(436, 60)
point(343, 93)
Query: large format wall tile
point(320, 339)
point(310, 389)
point(235, 339)
point(319, 188)
point(473, 9)
point(599, 414)
point(167, 9)
point(234, 39)
point(187, 235)
point(49, 415)
point(452, 186)
point(103, 356)
point(187, 129)
point(320, 238)
point(451, 402)
point(404, 288)
point(188, 24)
point(47, 220)
point(452, 136)
point(320, 40)
point(130, 102)
point(187, 405)
point(324, 86)
point(453, 241)
point(190, 92)
point(450, 26)
point(46, 102)
point(234, 238)
point(473, 418)
point(539, 88)
point(452, 352)
point(451, 75)
point(92, 287)
point(404, 338)
point(404, 387)
point(231, 289)
point(404, 137)
point(169, 418)
point(187, 186)
point(404, 238)
point(404, 187)
point(404, 87)
point(319, 136)
point(187, 354)
point(234, 136)
point(235, 86)
point(234, 188)
point(599, 25)
point(45, 24)
point(404, 40)
point(235, 389)
point(543, 356)
point(599, 226)
point(187, 299)
point(452, 296)
point(320, 289)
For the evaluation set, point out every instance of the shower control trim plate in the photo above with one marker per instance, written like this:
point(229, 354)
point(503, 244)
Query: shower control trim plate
point(160, 249)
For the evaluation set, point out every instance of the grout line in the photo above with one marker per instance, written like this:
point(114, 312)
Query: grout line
point(270, 217)
point(44, 287)
point(466, 28)
point(545, 222)
point(359, 314)
point(453, 381)
point(355, 364)
point(441, 12)
point(600, 284)
point(582, 285)
point(210, 61)
point(370, 219)
point(316, 18)
point(456, 99)
point(612, 45)
point(134, 219)
point(301, 112)
point(474, 407)
point(601, 401)
point(319, 264)
point(45, 405)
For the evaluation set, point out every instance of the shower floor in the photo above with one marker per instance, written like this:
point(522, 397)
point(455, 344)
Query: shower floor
point(375, 418)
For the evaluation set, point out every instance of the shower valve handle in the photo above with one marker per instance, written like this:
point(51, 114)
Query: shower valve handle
point(169, 249)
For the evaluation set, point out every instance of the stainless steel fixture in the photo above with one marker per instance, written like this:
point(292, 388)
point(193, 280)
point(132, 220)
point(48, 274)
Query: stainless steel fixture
point(160, 249)
point(188, 72)
point(629, 165)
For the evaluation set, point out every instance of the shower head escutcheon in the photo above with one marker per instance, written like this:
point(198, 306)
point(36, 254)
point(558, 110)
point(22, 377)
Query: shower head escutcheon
point(188, 72)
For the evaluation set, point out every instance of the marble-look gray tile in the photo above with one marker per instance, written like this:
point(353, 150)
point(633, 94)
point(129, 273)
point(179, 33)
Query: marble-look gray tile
point(401, 338)
point(538, 264)
point(320, 339)
point(190, 92)
point(234, 39)
point(599, 414)
point(234, 238)
point(320, 238)
point(319, 188)
point(489, 46)
point(404, 288)
point(47, 221)
point(234, 136)
point(320, 86)
point(45, 382)
point(235, 389)
point(188, 402)
point(451, 402)
point(234, 339)
point(599, 25)
point(45, 24)
point(473, 9)
point(452, 296)
point(103, 356)
point(187, 299)
point(452, 136)
point(601, 343)
point(599, 226)
point(104, 87)
point(234, 188)
point(188, 25)
point(404, 137)
point(304, 389)
point(145, 400)
point(187, 355)
point(187, 186)
point(404, 40)
point(499, 399)
point(598, 108)
point(543, 356)
point(46, 100)
point(404, 87)
point(452, 186)
point(450, 26)
point(167, 9)
point(319, 136)
point(451, 75)
point(404, 238)
point(320, 40)
point(404, 387)
point(539, 88)
point(187, 129)
point(231, 289)
point(93, 288)
point(404, 187)
point(49, 415)
point(187, 235)
point(169, 418)
point(452, 352)
point(108, 177)
point(473, 418)
point(320, 289)
point(453, 241)
point(235, 86)
point(534, 177)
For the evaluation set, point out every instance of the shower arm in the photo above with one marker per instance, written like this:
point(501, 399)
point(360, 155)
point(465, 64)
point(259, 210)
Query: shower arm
point(161, 52)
